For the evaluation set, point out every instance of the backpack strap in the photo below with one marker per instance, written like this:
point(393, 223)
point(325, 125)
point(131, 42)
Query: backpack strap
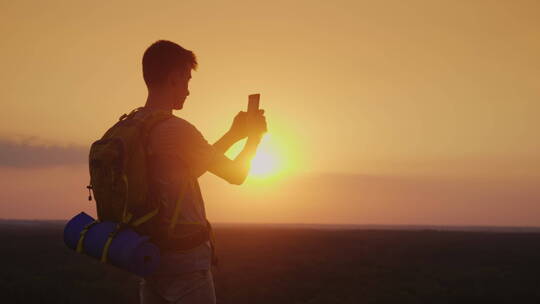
point(205, 233)
point(145, 218)
point(149, 121)
point(183, 189)
point(131, 114)
point(112, 235)
point(80, 243)
point(126, 219)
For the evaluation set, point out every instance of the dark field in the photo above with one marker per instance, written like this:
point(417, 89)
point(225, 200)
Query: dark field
point(293, 265)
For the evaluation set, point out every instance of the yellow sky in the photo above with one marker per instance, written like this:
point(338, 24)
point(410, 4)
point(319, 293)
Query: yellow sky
point(395, 88)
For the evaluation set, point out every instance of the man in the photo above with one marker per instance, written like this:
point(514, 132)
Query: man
point(180, 155)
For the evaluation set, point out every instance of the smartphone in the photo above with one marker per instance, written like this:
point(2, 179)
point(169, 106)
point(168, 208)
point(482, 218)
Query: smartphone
point(253, 103)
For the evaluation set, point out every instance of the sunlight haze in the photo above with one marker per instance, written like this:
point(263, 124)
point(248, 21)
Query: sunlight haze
point(390, 112)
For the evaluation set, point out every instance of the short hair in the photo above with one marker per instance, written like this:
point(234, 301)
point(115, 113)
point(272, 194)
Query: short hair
point(162, 57)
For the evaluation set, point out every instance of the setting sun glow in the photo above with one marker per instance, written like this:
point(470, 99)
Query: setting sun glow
point(263, 164)
point(268, 162)
point(378, 112)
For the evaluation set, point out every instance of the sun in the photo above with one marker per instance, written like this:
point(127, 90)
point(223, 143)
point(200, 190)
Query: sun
point(273, 159)
point(264, 163)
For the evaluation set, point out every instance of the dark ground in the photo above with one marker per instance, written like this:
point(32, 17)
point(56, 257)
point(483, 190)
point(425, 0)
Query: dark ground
point(285, 265)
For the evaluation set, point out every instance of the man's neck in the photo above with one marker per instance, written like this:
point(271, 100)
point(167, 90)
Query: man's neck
point(156, 100)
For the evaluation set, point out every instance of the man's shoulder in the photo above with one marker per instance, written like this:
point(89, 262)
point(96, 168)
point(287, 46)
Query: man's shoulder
point(175, 123)
point(174, 129)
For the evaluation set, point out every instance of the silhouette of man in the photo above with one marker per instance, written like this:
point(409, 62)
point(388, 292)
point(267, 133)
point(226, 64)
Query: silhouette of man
point(180, 155)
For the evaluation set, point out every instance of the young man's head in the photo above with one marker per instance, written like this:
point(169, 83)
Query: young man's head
point(167, 70)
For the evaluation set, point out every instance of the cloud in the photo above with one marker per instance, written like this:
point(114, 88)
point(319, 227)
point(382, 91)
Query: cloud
point(31, 154)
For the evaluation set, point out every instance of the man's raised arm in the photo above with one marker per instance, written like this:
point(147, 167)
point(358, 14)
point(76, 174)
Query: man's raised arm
point(235, 171)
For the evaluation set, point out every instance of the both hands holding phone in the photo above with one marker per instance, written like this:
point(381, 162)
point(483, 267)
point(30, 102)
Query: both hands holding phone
point(250, 124)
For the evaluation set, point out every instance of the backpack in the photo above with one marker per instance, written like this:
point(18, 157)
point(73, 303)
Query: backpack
point(118, 164)
point(119, 180)
point(121, 184)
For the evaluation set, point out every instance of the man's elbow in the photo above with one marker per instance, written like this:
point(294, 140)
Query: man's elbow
point(233, 172)
point(237, 180)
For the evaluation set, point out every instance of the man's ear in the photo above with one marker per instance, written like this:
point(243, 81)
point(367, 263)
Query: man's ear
point(176, 77)
point(172, 78)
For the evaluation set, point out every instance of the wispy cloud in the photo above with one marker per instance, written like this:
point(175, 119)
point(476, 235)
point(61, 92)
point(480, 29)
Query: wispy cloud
point(29, 153)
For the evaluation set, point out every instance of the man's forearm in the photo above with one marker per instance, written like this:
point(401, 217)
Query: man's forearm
point(250, 148)
point(235, 171)
point(224, 143)
point(243, 160)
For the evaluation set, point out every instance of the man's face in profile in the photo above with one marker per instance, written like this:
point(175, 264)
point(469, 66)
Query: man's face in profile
point(180, 87)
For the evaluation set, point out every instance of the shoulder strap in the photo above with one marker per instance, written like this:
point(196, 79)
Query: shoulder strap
point(150, 121)
point(147, 122)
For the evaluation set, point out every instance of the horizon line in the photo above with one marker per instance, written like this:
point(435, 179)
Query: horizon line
point(353, 226)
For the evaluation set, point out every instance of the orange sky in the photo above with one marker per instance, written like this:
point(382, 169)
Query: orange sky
point(386, 105)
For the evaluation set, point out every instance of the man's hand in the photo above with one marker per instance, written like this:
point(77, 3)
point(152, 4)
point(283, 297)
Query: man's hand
point(245, 125)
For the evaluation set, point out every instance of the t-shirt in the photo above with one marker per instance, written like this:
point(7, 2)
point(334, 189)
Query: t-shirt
point(180, 154)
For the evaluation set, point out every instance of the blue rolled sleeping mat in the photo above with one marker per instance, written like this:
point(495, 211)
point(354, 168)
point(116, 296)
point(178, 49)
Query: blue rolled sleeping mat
point(128, 250)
